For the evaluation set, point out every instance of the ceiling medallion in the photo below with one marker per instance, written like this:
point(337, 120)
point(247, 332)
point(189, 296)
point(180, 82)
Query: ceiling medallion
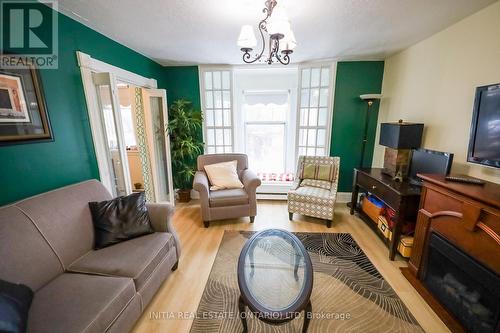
point(281, 39)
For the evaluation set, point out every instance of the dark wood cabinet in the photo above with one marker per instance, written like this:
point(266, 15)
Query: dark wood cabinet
point(465, 215)
point(403, 197)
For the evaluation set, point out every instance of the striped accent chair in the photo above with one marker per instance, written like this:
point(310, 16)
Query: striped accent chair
point(314, 190)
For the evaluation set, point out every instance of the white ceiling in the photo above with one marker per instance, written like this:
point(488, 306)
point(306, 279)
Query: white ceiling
point(205, 31)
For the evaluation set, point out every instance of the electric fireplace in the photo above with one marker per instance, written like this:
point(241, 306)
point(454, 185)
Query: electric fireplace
point(467, 289)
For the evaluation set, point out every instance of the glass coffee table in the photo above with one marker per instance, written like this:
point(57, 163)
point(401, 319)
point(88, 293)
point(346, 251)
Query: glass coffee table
point(275, 277)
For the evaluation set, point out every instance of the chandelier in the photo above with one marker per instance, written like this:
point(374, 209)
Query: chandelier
point(281, 40)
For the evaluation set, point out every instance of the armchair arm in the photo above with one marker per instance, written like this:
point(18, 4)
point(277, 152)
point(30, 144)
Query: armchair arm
point(250, 180)
point(295, 184)
point(160, 215)
point(200, 183)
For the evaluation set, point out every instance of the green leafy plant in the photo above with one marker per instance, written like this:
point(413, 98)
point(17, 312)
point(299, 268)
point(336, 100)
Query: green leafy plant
point(184, 125)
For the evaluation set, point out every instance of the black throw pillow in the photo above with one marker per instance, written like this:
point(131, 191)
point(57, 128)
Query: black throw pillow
point(15, 301)
point(120, 219)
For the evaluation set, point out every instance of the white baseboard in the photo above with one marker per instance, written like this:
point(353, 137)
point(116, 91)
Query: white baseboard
point(342, 197)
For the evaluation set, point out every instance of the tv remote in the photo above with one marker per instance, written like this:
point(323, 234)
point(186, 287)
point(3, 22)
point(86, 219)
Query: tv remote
point(460, 179)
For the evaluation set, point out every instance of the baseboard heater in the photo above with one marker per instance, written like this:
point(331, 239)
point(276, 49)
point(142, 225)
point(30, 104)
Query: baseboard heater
point(271, 196)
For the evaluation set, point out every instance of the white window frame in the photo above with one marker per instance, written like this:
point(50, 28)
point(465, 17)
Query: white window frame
point(201, 76)
point(329, 107)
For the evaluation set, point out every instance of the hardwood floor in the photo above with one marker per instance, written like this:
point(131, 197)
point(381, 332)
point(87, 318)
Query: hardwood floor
point(177, 300)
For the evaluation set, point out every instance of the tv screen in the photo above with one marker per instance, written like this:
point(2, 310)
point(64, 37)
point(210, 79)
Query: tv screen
point(484, 143)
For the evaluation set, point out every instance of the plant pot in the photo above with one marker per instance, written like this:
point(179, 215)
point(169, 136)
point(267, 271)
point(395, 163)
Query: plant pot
point(184, 195)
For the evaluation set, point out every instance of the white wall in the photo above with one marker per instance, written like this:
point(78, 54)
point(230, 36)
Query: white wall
point(434, 82)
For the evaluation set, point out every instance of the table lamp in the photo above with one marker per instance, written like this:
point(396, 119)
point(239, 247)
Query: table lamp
point(399, 138)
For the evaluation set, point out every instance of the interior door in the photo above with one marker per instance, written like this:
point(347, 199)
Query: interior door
point(117, 179)
point(156, 114)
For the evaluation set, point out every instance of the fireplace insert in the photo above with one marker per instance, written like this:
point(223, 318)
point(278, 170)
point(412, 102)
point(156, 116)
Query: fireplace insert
point(467, 289)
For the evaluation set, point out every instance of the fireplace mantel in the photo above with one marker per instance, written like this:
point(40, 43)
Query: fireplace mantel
point(467, 216)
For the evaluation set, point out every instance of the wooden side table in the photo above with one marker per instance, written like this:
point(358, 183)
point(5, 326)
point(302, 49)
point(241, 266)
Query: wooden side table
point(403, 197)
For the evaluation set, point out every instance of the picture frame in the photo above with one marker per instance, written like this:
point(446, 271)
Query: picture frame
point(23, 112)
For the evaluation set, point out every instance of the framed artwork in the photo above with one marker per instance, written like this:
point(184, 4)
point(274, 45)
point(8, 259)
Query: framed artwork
point(23, 113)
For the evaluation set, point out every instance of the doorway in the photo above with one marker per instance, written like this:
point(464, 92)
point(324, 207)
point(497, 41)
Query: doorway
point(128, 118)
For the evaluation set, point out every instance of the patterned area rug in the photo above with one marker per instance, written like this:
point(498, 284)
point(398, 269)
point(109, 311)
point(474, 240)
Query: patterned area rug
point(349, 294)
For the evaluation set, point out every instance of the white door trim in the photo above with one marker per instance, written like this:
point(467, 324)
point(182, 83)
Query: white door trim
point(89, 65)
point(162, 94)
point(95, 65)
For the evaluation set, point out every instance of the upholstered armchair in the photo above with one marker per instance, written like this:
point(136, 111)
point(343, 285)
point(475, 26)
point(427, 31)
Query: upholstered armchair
point(314, 190)
point(230, 203)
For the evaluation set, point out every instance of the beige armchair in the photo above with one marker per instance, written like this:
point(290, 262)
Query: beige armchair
point(231, 203)
point(314, 194)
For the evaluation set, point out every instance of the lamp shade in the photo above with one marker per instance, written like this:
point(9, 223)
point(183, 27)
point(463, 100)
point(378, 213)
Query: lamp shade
point(401, 135)
point(278, 23)
point(247, 38)
point(372, 97)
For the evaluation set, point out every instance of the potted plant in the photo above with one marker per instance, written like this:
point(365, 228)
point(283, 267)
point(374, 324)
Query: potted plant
point(184, 125)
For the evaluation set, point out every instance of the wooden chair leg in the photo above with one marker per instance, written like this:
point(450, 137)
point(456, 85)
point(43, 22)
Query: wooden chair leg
point(252, 218)
point(290, 216)
point(206, 224)
point(328, 223)
point(174, 267)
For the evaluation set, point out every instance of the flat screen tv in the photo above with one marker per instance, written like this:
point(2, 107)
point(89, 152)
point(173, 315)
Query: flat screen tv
point(484, 142)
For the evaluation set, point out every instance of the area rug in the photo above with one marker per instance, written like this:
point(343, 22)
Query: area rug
point(349, 294)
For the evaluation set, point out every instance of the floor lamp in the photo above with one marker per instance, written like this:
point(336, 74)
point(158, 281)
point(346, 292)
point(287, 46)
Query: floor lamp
point(369, 99)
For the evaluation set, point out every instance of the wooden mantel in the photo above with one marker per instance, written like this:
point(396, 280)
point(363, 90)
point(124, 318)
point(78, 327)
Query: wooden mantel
point(466, 215)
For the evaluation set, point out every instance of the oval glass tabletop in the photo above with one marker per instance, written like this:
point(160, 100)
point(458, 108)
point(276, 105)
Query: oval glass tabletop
point(275, 272)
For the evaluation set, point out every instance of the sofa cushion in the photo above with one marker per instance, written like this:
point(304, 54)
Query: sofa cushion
point(316, 183)
point(308, 171)
point(223, 175)
point(63, 217)
point(15, 301)
point(120, 219)
point(136, 258)
point(313, 195)
point(232, 197)
point(25, 256)
point(79, 303)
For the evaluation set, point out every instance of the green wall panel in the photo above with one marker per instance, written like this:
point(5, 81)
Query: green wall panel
point(182, 82)
point(354, 78)
point(28, 169)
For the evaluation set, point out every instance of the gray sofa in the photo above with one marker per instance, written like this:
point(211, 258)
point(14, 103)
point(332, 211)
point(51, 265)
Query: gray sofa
point(46, 243)
point(230, 203)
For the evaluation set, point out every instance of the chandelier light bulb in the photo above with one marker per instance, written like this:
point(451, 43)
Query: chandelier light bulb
point(247, 37)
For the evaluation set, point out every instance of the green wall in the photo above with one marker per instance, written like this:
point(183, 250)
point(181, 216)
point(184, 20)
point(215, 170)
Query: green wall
point(182, 82)
point(354, 78)
point(29, 169)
